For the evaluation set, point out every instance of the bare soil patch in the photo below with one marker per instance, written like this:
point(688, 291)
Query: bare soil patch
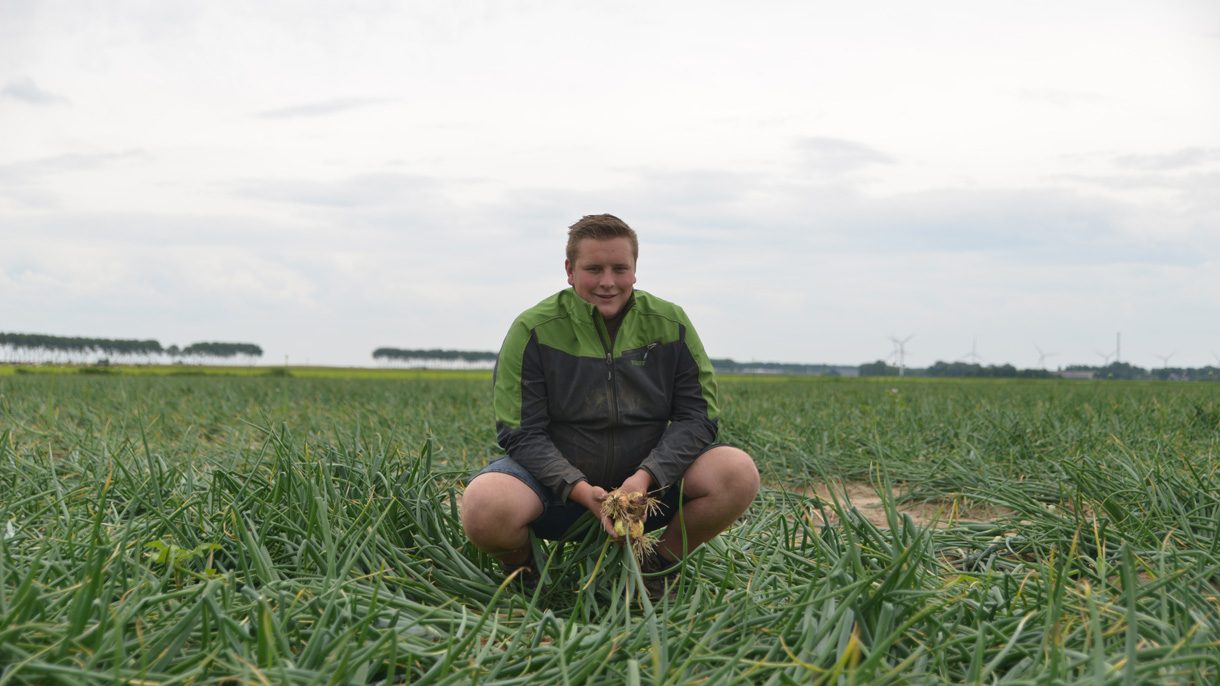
point(942, 513)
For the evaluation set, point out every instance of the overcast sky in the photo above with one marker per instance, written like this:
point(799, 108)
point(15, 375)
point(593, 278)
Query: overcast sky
point(808, 179)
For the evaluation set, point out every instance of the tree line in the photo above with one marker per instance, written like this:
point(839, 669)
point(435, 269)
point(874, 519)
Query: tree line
point(1112, 371)
point(730, 366)
point(433, 354)
point(33, 347)
point(436, 358)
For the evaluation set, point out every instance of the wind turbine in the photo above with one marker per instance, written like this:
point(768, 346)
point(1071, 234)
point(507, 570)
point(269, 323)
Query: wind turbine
point(900, 352)
point(973, 355)
point(1042, 355)
point(1105, 357)
point(1164, 359)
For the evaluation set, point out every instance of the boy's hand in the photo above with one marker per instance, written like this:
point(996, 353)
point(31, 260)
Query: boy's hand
point(640, 482)
point(591, 497)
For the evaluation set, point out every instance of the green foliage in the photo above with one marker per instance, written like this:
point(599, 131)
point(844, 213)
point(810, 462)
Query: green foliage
point(728, 366)
point(32, 342)
point(169, 554)
point(218, 349)
point(24, 346)
point(305, 530)
point(433, 354)
point(1123, 371)
point(878, 368)
point(970, 369)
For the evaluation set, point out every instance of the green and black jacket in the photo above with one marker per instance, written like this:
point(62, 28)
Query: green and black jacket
point(570, 407)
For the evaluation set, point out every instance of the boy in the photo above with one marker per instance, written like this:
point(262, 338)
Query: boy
point(602, 386)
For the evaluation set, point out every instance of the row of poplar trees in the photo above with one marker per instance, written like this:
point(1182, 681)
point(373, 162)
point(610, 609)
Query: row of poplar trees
point(435, 358)
point(33, 347)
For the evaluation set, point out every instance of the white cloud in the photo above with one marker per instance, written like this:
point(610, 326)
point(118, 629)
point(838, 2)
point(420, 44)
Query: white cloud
point(1059, 97)
point(838, 156)
point(323, 108)
point(26, 171)
point(25, 90)
point(1178, 159)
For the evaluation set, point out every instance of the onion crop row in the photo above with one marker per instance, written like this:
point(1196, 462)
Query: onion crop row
point(325, 546)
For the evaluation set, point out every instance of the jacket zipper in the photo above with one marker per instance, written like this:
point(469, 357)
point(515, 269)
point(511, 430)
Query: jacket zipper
point(610, 448)
point(648, 350)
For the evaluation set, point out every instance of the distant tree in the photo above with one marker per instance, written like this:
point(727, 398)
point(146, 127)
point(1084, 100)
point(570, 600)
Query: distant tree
point(220, 350)
point(973, 370)
point(954, 369)
point(1121, 371)
point(729, 366)
point(435, 357)
point(76, 349)
point(878, 368)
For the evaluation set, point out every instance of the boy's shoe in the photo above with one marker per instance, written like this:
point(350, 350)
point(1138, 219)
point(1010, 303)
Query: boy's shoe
point(528, 577)
point(660, 576)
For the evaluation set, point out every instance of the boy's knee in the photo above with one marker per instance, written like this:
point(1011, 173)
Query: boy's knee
point(492, 506)
point(738, 472)
point(478, 510)
point(744, 478)
point(725, 471)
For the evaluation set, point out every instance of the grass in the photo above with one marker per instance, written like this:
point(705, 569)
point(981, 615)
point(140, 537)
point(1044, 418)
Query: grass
point(167, 529)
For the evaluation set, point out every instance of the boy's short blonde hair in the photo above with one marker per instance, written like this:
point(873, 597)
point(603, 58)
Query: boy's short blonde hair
point(600, 227)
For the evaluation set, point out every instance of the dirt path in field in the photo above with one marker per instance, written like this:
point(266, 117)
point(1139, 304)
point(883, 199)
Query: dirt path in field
point(939, 513)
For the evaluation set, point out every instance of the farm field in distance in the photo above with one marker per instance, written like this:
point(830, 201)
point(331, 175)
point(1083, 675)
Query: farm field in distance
point(265, 528)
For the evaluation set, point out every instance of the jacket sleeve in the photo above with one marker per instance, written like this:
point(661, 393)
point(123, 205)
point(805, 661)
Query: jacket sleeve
point(520, 402)
point(694, 413)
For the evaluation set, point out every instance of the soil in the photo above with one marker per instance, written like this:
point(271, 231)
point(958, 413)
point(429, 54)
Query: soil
point(938, 513)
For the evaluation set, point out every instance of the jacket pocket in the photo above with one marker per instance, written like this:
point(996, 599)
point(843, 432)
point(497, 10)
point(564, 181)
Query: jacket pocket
point(639, 356)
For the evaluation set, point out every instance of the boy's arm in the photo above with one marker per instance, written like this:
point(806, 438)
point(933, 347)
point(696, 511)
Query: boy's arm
point(520, 403)
point(694, 413)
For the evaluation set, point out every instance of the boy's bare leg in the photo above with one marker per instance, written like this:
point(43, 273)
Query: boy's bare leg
point(718, 487)
point(496, 511)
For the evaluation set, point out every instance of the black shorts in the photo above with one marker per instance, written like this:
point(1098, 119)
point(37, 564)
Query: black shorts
point(558, 515)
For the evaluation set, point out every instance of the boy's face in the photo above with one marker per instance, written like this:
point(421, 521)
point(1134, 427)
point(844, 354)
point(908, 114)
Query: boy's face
point(603, 273)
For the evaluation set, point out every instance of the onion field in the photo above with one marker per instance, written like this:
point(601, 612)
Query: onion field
point(285, 528)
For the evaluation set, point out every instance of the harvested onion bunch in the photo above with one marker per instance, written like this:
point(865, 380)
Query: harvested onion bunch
point(627, 512)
